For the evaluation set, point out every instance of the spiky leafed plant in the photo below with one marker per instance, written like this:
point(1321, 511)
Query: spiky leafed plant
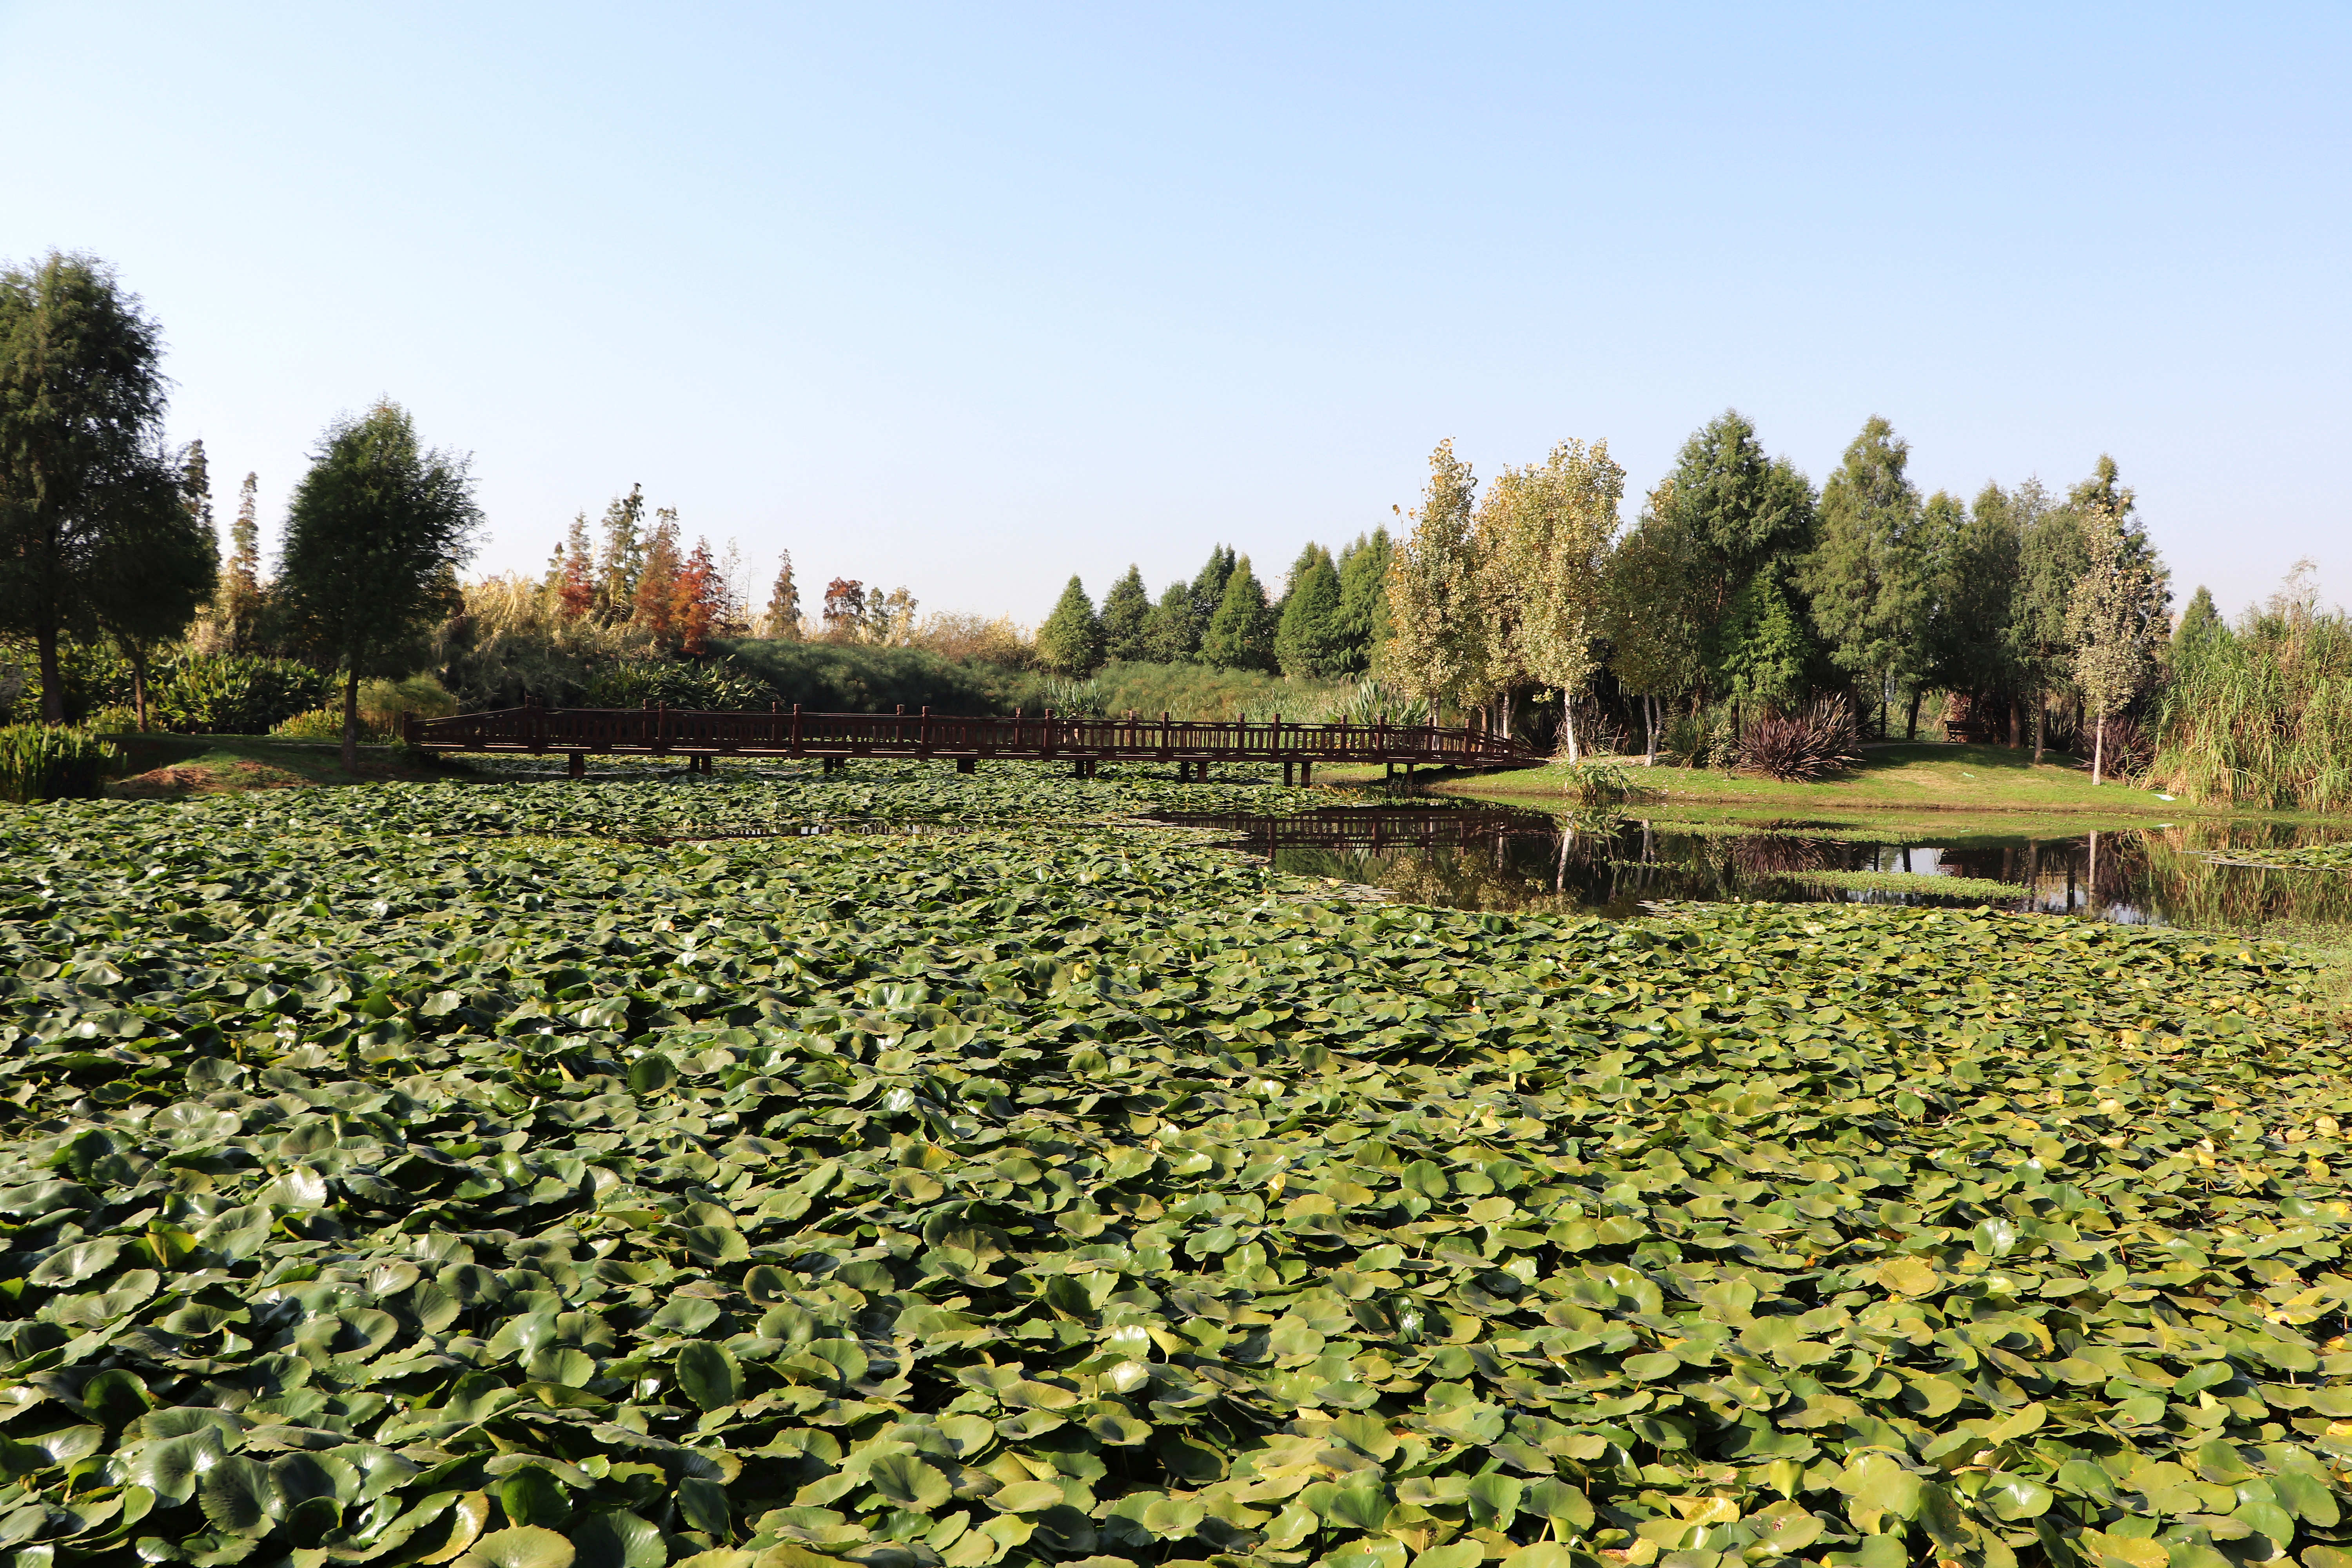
point(1816, 741)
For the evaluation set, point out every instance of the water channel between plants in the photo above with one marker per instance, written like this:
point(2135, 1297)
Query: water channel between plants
point(1490, 859)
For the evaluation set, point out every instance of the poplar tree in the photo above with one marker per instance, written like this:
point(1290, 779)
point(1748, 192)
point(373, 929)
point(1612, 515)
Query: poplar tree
point(374, 537)
point(2116, 613)
point(81, 411)
point(1866, 579)
point(1437, 635)
point(1546, 528)
point(1241, 634)
point(1311, 637)
point(1070, 643)
point(1126, 617)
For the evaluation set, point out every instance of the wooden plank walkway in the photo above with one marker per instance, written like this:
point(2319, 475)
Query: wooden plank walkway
point(1193, 745)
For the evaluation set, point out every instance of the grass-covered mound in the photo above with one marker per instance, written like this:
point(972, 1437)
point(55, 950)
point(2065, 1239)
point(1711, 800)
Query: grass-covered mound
point(423, 1174)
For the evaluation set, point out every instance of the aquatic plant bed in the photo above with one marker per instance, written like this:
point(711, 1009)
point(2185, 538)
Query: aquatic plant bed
point(2337, 857)
point(402, 1175)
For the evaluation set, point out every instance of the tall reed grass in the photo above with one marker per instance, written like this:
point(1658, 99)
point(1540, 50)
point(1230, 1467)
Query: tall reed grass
point(2260, 714)
point(39, 763)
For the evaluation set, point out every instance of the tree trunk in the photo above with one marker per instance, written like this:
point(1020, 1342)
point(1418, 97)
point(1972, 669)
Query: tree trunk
point(139, 685)
point(1567, 724)
point(1650, 711)
point(53, 686)
point(1911, 720)
point(351, 719)
point(2098, 751)
point(2041, 723)
point(2014, 727)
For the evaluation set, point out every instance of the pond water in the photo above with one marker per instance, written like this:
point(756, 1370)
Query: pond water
point(1496, 858)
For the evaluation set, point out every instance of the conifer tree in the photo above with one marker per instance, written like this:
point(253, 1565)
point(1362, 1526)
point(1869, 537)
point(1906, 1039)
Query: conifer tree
point(1169, 637)
point(1241, 634)
point(1070, 643)
point(655, 607)
point(158, 560)
point(1867, 578)
point(1363, 598)
point(1126, 617)
point(1652, 611)
point(575, 572)
point(1207, 592)
point(237, 598)
point(373, 539)
point(2198, 623)
point(621, 559)
point(1311, 637)
point(783, 622)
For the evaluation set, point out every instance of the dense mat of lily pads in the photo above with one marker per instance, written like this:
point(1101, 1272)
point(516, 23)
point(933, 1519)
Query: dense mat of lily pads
point(432, 1175)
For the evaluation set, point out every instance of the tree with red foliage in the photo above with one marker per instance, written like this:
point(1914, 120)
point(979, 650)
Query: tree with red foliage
point(694, 599)
point(575, 580)
point(656, 599)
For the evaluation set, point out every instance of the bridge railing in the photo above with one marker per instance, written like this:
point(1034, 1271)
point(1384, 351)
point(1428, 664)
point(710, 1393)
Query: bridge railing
point(661, 730)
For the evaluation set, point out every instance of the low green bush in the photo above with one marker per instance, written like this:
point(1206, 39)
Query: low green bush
point(40, 762)
point(233, 694)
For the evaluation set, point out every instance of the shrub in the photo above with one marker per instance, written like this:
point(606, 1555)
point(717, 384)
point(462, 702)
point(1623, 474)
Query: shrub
point(857, 677)
point(1812, 743)
point(718, 686)
point(37, 762)
point(381, 705)
point(233, 694)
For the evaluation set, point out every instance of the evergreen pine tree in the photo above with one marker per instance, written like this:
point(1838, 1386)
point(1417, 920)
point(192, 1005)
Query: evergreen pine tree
point(622, 558)
point(1311, 640)
point(237, 599)
point(1071, 641)
point(1126, 617)
point(1241, 634)
point(1169, 637)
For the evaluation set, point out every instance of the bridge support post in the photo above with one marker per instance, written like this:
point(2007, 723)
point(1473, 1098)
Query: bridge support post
point(832, 764)
point(1306, 774)
point(702, 764)
point(967, 765)
point(576, 765)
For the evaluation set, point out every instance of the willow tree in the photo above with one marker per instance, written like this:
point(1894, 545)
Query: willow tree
point(377, 529)
point(1437, 643)
point(1545, 532)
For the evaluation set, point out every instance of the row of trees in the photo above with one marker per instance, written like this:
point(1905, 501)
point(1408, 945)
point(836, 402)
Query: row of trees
point(1329, 620)
point(1743, 588)
point(107, 532)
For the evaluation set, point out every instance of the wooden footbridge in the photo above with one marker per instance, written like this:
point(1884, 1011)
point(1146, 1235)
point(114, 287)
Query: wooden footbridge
point(1193, 745)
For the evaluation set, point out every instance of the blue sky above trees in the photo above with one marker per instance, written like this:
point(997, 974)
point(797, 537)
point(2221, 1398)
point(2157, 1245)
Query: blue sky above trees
point(972, 298)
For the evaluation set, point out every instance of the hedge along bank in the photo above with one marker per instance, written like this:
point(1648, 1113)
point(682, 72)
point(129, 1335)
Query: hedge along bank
point(376, 1195)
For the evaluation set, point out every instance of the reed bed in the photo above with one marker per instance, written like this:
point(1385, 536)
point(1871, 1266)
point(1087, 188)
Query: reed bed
point(2260, 715)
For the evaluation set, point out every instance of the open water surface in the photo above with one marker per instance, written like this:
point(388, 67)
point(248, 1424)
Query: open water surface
point(1487, 858)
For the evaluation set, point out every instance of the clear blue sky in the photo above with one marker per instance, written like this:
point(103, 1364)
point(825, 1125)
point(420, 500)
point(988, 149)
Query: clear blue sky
point(970, 298)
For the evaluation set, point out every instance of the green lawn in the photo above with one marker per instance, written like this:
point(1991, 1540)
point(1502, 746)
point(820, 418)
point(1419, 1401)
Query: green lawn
point(1928, 778)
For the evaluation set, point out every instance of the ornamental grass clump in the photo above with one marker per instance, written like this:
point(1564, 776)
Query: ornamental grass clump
point(41, 762)
point(1813, 742)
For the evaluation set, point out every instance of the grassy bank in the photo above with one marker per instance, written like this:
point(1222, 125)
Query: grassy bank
point(168, 767)
point(1895, 778)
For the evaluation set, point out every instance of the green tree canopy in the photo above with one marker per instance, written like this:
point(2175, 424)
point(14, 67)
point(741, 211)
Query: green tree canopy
point(1438, 633)
point(375, 534)
point(2198, 623)
point(1207, 594)
point(1310, 638)
point(1170, 636)
point(1071, 641)
point(2115, 616)
point(157, 561)
point(1973, 555)
point(1363, 597)
point(81, 410)
point(1241, 634)
point(1127, 618)
point(1867, 576)
point(1651, 609)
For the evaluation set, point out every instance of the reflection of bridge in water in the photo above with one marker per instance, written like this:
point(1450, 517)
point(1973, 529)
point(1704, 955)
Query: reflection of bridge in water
point(1373, 829)
point(1085, 744)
